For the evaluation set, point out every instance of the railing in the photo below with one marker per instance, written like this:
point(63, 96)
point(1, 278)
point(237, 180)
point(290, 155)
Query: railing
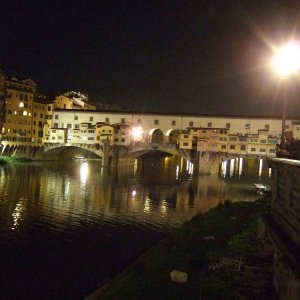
point(285, 200)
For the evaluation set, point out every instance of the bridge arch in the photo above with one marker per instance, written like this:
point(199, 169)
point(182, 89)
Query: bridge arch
point(71, 151)
point(156, 136)
point(172, 136)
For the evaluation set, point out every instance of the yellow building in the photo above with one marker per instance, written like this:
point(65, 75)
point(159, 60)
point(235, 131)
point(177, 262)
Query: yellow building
point(18, 128)
point(73, 100)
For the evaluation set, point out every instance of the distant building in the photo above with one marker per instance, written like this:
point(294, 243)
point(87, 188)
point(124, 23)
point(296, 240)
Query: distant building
point(73, 100)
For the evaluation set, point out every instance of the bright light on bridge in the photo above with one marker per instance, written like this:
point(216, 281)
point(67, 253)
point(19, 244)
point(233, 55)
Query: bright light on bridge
point(137, 133)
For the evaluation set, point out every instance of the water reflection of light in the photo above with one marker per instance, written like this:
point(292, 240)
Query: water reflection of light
point(270, 172)
point(240, 166)
point(135, 166)
point(17, 214)
point(147, 205)
point(232, 167)
point(224, 168)
point(163, 207)
point(84, 172)
point(260, 167)
point(177, 171)
point(236, 166)
point(190, 168)
point(187, 165)
point(181, 164)
point(66, 189)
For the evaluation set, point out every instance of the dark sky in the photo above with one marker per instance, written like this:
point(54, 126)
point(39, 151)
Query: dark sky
point(207, 57)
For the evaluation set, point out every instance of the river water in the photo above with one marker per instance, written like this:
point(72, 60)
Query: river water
point(67, 226)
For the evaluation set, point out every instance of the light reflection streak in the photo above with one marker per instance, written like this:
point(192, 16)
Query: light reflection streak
point(232, 161)
point(260, 167)
point(163, 207)
point(224, 168)
point(17, 214)
point(84, 170)
point(135, 166)
point(270, 172)
point(240, 166)
point(133, 193)
point(177, 171)
point(147, 205)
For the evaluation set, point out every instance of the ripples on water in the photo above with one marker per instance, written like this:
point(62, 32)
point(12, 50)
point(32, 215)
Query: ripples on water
point(65, 226)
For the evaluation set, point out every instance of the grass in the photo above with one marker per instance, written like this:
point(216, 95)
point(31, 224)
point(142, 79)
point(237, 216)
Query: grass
point(10, 160)
point(231, 233)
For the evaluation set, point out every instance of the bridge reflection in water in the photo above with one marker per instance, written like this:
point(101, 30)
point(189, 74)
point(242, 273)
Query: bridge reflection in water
point(65, 226)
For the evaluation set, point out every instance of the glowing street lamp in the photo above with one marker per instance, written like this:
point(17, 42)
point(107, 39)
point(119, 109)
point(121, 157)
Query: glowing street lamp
point(137, 133)
point(286, 62)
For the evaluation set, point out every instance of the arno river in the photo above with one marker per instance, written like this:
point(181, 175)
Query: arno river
point(67, 226)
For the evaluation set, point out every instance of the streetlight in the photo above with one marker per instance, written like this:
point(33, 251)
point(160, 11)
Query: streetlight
point(286, 62)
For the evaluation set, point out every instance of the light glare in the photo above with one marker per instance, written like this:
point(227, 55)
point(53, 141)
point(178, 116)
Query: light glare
point(287, 59)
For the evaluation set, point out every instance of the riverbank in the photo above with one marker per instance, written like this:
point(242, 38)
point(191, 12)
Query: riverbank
point(217, 254)
point(10, 160)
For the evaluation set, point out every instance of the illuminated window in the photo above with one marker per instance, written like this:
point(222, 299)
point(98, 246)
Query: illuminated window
point(25, 113)
point(21, 104)
point(15, 112)
point(29, 114)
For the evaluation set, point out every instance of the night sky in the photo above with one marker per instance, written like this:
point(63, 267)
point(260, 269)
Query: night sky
point(206, 57)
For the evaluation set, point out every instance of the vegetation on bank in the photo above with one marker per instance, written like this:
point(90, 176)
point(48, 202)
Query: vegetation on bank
point(218, 252)
point(10, 160)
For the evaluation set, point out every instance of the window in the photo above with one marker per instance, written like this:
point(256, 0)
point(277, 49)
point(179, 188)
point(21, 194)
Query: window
point(155, 122)
point(191, 123)
point(272, 150)
point(262, 150)
point(223, 146)
point(209, 124)
point(139, 121)
point(228, 125)
point(107, 120)
point(243, 147)
point(49, 108)
point(173, 123)
point(55, 125)
point(91, 119)
point(247, 126)
point(263, 141)
point(56, 117)
point(76, 118)
point(267, 127)
point(69, 126)
point(232, 147)
point(123, 120)
point(41, 115)
point(252, 149)
point(185, 144)
point(185, 136)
